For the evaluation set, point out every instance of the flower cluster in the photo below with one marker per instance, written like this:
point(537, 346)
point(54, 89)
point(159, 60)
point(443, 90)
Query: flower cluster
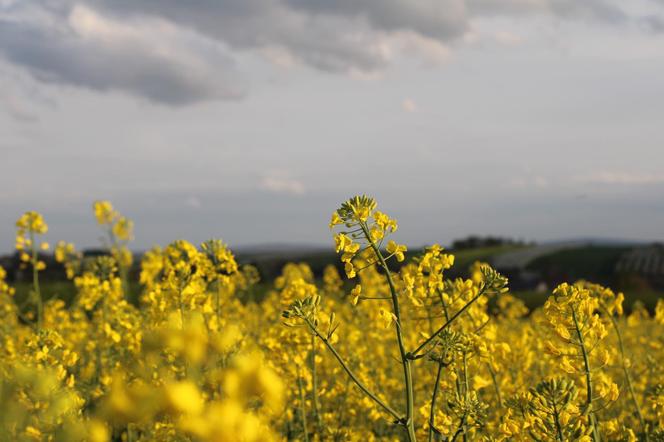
point(119, 231)
point(367, 229)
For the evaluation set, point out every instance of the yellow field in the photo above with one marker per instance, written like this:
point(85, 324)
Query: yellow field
point(407, 355)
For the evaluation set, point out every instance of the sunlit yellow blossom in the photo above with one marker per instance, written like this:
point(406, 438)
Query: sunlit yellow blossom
point(385, 317)
point(183, 397)
point(104, 212)
point(355, 294)
point(335, 220)
point(396, 250)
point(350, 270)
point(123, 229)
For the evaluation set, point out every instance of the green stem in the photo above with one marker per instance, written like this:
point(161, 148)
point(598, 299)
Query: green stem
point(181, 306)
point(314, 381)
point(181, 303)
point(589, 388)
point(351, 374)
point(35, 282)
point(218, 302)
point(114, 248)
point(466, 387)
point(628, 377)
point(495, 384)
point(447, 318)
point(465, 375)
point(124, 279)
point(434, 399)
point(100, 339)
point(405, 361)
point(414, 353)
point(460, 428)
point(303, 411)
point(556, 419)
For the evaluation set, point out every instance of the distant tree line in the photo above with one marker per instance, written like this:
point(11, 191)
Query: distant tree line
point(476, 241)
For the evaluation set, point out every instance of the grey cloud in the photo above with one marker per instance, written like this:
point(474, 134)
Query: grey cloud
point(325, 42)
point(176, 52)
point(590, 9)
point(653, 23)
point(255, 23)
point(83, 48)
point(445, 20)
point(339, 35)
point(439, 19)
point(600, 10)
point(16, 107)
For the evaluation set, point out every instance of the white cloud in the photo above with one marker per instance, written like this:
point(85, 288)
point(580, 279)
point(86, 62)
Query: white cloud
point(624, 178)
point(507, 38)
point(194, 202)
point(429, 50)
point(17, 107)
point(409, 105)
point(527, 182)
point(281, 183)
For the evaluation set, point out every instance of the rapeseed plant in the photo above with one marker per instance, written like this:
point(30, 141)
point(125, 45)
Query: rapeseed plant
point(396, 351)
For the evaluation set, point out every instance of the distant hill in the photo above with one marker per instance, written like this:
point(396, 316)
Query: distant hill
point(618, 263)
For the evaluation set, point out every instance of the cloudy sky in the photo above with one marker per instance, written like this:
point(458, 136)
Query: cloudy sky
point(250, 120)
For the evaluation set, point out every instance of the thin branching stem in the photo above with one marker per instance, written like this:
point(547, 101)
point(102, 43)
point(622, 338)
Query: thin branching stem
point(218, 302)
point(460, 428)
point(556, 419)
point(35, 282)
point(351, 374)
point(496, 386)
point(589, 387)
point(628, 377)
point(405, 361)
point(303, 410)
point(414, 353)
point(314, 381)
point(434, 399)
